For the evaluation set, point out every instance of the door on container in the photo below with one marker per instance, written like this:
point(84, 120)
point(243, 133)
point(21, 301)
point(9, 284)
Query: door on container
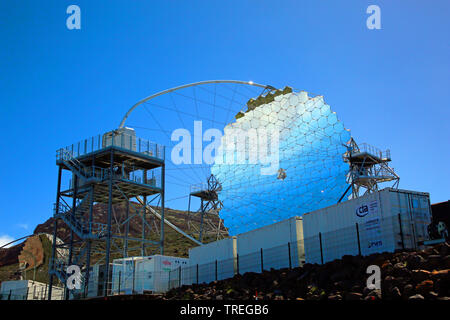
point(144, 276)
point(125, 276)
point(420, 216)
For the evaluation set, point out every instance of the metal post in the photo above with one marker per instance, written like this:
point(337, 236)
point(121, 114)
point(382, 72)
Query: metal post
point(401, 231)
point(357, 237)
point(163, 187)
point(289, 253)
point(108, 236)
point(55, 229)
point(197, 272)
point(89, 244)
point(262, 261)
point(72, 213)
point(168, 282)
point(134, 276)
point(201, 221)
point(118, 292)
point(321, 249)
point(144, 215)
point(216, 271)
point(143, 224)
point(237, 260)
point(127, 230)
point(179, 276)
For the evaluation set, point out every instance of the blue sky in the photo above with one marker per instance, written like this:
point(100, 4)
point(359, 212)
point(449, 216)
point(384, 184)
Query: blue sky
point(57, 86)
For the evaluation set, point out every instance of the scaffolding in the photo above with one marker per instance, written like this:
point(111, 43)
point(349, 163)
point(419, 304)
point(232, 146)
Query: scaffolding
point(111, 169)
point(208, 213)
point(368, 166)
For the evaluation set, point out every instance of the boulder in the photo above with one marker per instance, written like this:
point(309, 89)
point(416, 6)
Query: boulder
point(420, 275)
point(388, 282)
point(387, 268)
point(443, 248)
point(375, 294)
point(408, 291)
point(400, 270)
point(432, 262)
point(443, 298)
point(353, 296)
point(431, 295)
point(335, 297)
point(414, 261)
point(416, 297)
point(440, 274)
point(425, 287)
point(394, 293)
point(446, 262)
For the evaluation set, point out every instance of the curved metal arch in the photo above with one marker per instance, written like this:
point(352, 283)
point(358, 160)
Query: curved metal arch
point(250, 83)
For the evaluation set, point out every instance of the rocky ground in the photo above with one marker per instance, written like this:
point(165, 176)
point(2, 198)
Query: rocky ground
point(422, 275)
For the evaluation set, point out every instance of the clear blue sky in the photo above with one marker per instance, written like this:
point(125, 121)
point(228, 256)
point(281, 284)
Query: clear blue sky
point(57, 86)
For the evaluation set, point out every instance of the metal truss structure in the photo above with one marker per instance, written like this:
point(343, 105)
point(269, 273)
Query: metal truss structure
point(368, 168)
point(208, 213)
point(113, 170)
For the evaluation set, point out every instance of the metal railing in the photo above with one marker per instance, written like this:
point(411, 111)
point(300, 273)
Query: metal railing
point(121, 140)
point(199, 187)
point(364, 147)
point(85, 229)
point(150, 178)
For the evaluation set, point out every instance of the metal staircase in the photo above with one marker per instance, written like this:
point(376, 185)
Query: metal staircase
point(72, 163)
point(77, 221)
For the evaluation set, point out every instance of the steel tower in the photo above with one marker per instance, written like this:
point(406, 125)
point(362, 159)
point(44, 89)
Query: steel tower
point(210, 206)
point(368, 166)
point(111, 169)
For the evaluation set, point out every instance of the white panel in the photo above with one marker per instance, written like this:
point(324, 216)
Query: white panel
point(210, 252)
point(376, 215)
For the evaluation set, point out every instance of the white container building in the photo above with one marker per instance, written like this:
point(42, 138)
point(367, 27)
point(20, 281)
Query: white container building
point(144, 274)
point(383, 221)
point(276, 246)
point(28, 290)
point(222, 252)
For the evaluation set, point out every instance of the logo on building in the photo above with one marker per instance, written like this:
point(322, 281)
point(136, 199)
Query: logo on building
point(362, 211)
point(366, 208)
